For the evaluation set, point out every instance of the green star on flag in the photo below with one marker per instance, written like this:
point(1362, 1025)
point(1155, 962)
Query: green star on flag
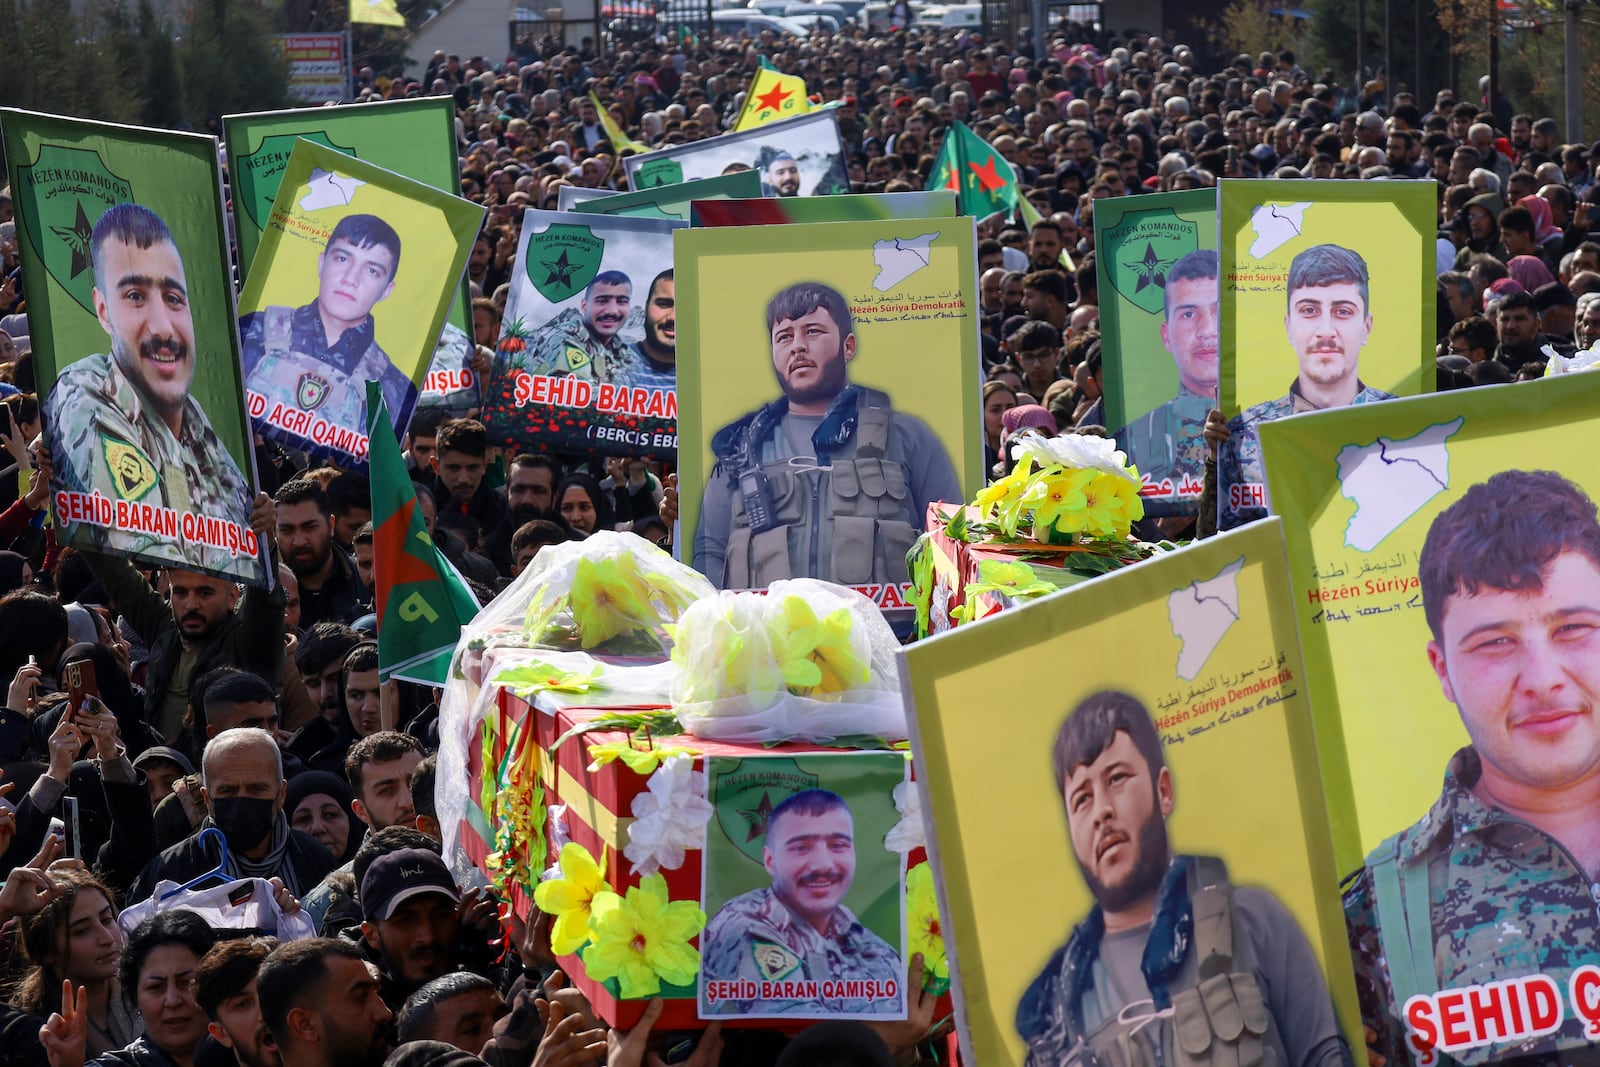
point(422, 602)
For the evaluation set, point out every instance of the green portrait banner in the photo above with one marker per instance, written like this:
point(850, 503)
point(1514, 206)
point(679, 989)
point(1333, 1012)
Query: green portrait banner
point(415, 138)
point(1160, 334)
point(1327, 300)
point(802, 156)
point(587, 357)
point(356, 270)
point(848, 207)
point(801, 841)
point(125, 265)
point(826, 396)
point(1120, 787)
point(1444, 553)
point(666, 201)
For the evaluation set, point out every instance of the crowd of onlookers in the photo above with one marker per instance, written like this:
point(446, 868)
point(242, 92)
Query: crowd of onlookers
point(256, 716)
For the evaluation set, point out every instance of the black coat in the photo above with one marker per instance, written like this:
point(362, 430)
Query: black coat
point(190, 859)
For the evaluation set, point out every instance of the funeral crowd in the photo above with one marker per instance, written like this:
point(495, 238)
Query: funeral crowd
point(150, 713)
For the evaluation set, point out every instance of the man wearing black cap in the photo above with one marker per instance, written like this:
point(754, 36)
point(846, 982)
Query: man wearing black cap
point(1558, 310)
point(410, 922)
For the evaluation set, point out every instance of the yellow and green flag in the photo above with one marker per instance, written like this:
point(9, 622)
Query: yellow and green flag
point(422, 603)
point(377, 13)
point(773, 95)
point(620, 142)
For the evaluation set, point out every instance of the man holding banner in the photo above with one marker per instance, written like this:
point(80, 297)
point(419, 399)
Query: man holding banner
point(1328, 322)
point(125, 427)
point(1174, 964)
point(320, 353)
point(1493, 888)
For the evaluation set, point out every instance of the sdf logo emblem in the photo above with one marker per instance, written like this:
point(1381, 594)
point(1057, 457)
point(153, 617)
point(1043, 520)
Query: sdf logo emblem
point(69, 189)
point(1141, 250)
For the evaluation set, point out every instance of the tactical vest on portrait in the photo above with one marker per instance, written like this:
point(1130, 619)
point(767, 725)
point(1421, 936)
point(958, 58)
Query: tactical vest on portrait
point(1221, 1021)
point(305, 381)
point(842, 518)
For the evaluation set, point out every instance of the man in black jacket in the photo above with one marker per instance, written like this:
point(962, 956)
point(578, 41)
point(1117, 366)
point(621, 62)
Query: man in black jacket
point(330, 587)
point(199, 628)
point(244, 790)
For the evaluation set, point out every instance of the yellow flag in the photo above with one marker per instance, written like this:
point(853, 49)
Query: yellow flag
point(620, 142)
point(377, 13)
point(773, 96)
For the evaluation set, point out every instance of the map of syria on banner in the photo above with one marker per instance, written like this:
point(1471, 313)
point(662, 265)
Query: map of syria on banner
point(1216, 684)
point(414, 138)
point(356, 271)
point(1326, 297)
point(1443, 548)
point(891, 304)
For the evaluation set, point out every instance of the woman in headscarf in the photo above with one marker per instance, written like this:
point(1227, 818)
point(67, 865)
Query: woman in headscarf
point(321, 804)
point(15, 571)
point(582, 504)
point(1530, 272)
point(1546, 234)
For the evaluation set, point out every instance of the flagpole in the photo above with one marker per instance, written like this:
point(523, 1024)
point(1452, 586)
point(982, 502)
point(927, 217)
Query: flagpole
point(349, 61)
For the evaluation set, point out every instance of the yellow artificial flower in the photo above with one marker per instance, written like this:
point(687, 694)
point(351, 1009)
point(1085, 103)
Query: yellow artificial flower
point(639, 760)
point(1130, 504)
point(642, 939)
point(570, 898)
point(924, 928)
point(609, 598)
point(998, 493)
point(815, 654)
point(1058, 500)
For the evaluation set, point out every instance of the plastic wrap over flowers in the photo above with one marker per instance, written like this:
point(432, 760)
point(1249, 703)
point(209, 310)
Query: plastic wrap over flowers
point(1582, 359)
point(808, 660)
point(612, 593)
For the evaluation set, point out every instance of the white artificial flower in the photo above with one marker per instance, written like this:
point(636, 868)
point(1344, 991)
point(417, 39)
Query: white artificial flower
point(669, 818)
point(1075, 451)
point(910, 832)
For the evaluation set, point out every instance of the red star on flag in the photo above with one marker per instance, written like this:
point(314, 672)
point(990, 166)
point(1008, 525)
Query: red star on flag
point(774, 99)
point(987, 176)
point(951, 182)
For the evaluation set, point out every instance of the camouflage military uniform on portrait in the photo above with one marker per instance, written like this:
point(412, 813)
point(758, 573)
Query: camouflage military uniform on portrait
point(105, 438)
point(1167, 444)
point(1504, 900)
point(1239, 457)
point(288, 360)
point(566, 345)
point(755, 937)
point(1227, 977)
